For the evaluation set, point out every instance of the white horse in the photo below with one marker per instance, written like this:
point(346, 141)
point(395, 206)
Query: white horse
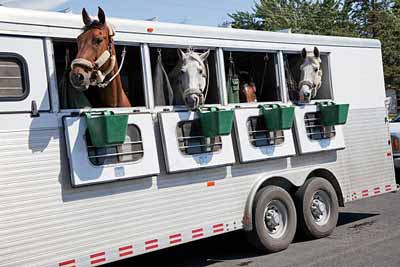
point(190, 79)
point(310, 75)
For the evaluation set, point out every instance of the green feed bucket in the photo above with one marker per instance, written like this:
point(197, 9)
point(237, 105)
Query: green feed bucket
point(278, 118)
point(106, 128)
point(215, 122)
point(333, 114)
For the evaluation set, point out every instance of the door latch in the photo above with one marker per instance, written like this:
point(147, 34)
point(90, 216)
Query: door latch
point(34, 110)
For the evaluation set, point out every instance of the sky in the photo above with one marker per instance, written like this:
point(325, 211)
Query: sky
point(199, 12)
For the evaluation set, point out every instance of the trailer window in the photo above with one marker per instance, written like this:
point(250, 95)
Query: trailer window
point(163, 63)
point(260, 136)
point(251, 73)
point(130, 151)
point(315, 131)
point(131, 77)
point(191, 140)
point(13, 78)
point(292, 62)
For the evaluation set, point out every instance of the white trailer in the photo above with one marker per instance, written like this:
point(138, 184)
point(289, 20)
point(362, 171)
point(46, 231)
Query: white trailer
point(64, 203)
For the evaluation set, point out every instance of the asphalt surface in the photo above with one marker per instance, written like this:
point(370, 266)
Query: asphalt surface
point(368, 234)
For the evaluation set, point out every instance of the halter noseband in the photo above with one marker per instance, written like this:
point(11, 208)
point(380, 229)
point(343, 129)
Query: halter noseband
point(314, 87)
point(100, 62)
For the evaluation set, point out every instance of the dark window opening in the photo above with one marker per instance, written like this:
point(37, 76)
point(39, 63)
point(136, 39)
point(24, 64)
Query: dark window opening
point(256, 71)
point(130, 151)
point(167, 95)
point(260, 136)
point(131, 77)
point(191, 140)
point(315, 131)
point(293, 75)
point(14, 82)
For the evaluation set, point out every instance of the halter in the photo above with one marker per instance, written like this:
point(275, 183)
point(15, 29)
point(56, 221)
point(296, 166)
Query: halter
point(314, 87)
point(100, 75)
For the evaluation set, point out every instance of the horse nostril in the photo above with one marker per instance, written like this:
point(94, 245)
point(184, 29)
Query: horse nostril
point(81, 77)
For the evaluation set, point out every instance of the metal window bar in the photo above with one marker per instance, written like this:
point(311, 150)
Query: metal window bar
point(259, 136)
point(191, 142)
point(131, 150)
point(315, 130)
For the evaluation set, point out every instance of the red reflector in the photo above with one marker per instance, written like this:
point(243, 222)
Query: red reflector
point(389, 154)
point(150, 29)
point(210, 184)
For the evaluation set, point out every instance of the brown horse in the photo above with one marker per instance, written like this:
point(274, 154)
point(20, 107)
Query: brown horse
point(95, 68)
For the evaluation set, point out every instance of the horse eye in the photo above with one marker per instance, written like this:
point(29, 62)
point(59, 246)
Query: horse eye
point(316, 69)
point(98, 41)
point(200, 71)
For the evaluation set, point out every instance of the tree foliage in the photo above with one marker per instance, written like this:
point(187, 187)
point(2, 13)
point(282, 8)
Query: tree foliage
point(378, 19)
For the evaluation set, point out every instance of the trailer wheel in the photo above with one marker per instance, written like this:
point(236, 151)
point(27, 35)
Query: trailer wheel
point(274, 220)
point(317, 208)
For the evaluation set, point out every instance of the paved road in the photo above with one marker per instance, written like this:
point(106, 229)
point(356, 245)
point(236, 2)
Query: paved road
point(368, 234)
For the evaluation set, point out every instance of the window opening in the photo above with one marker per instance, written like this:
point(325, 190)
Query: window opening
point(251, 77)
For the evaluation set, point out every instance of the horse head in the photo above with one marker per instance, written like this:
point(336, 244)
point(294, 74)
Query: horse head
point(190, 76)
point(95, 58)
point(310, 75)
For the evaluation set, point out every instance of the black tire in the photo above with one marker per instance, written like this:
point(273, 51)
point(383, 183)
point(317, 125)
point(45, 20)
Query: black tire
point(308, 224)
point(261, 236)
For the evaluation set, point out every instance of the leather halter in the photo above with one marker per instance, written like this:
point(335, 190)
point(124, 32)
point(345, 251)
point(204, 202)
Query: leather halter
point(95, 68)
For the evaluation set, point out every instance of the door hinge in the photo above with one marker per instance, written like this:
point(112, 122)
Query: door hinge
point(34, 109)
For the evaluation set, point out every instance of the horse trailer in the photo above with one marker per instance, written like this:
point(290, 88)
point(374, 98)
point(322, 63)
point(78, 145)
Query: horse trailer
point(65, 201)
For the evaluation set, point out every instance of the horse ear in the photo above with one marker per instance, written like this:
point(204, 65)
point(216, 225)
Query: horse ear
point(316, 52)
point(86, 18)
point(304, 53)
point(181, 54)
point(205, 55)
point(102, 16)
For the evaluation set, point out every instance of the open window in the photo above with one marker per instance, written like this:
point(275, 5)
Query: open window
point(292, 63)
point(131, 77)
point(251, 77)
point(165, 64)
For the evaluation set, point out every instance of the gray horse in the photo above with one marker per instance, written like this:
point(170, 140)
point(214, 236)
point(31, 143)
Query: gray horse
point(190, 79)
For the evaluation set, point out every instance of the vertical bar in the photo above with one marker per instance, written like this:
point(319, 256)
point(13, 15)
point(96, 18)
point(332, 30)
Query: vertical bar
point(147, 76)
point(221, 76)
point(282, 78)
point(51, 74)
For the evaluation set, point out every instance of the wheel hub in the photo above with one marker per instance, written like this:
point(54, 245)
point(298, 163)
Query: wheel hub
point(320, 207)
point(276, 218)
point(273, 219)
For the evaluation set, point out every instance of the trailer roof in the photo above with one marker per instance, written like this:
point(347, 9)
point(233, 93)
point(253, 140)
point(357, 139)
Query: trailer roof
point(62, 25)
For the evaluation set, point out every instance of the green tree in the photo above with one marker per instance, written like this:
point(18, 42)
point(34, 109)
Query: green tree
point(379, 19)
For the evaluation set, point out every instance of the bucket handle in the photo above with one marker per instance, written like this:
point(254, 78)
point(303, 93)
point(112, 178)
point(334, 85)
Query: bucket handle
point(89, 114)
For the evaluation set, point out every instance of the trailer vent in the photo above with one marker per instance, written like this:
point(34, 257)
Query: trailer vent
point(315, 131)
point(191, 140)
point(259, 136)
point(130, 151)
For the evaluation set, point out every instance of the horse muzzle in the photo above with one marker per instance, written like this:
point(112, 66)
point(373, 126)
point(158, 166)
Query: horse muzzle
point(80, 81)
